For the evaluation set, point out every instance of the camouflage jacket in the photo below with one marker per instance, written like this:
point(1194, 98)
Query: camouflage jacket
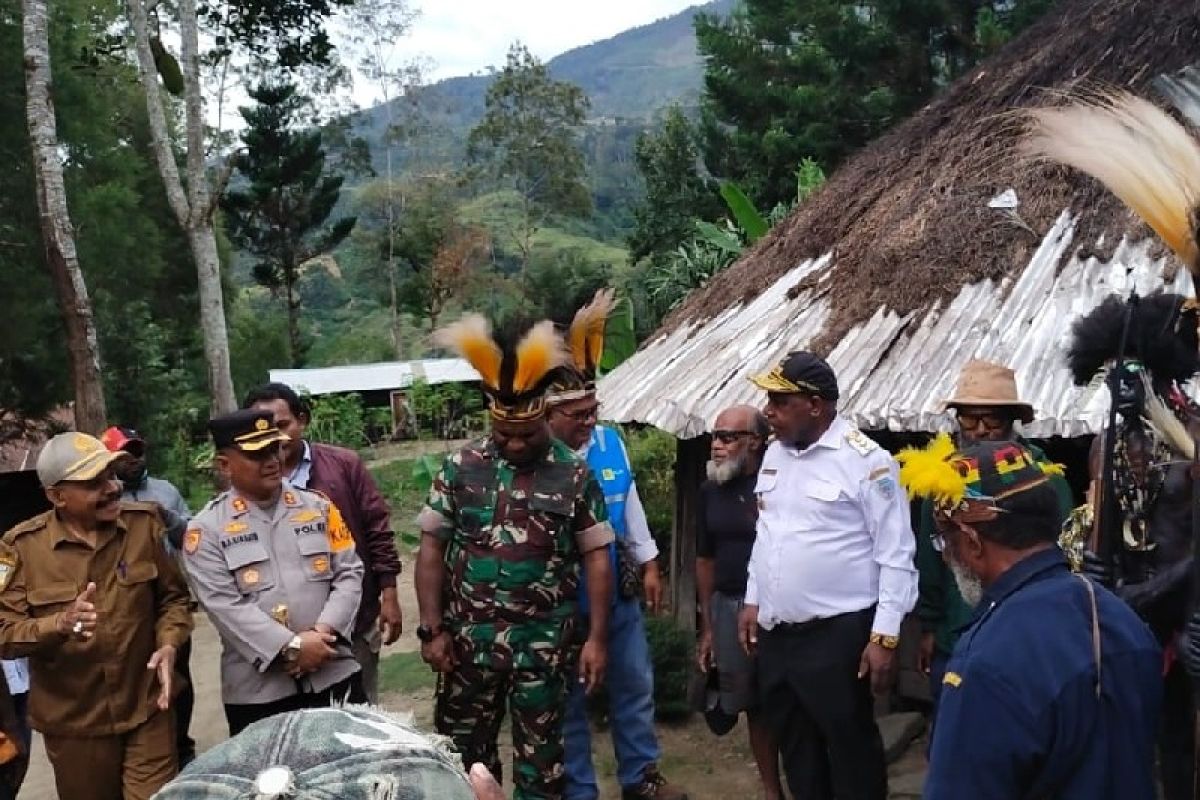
point(514, 542)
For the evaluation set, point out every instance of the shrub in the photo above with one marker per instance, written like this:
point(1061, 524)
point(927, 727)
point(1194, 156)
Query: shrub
point(672, 652)
point(652, 455)
point(338, 419)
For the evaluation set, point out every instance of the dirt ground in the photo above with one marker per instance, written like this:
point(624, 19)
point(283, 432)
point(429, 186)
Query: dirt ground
point(711, 768)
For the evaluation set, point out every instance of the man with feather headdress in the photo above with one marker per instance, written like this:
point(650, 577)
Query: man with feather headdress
point(508, 524)
point(1142, 488)
point(573, 414)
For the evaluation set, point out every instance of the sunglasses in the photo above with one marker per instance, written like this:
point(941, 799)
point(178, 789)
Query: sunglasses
point(729, 437)
point(583, 415)
point(993, 422)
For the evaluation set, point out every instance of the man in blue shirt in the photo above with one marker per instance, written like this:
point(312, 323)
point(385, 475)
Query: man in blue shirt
point(1054, 688)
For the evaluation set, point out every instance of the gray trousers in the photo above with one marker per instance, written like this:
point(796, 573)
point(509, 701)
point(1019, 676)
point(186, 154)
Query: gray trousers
point(366, 647)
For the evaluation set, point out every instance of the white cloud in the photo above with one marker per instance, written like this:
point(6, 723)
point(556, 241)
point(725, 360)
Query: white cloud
point(465, 36)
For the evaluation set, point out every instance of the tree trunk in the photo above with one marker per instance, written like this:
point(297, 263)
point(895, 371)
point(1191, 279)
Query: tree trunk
point(293, 317)
point(391, 244)
point(193, 208)
point(58, 236)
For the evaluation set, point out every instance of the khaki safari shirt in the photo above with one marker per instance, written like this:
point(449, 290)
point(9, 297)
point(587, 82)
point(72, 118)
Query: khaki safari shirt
point(98, 687)
point(265, 575)
point(514, 541)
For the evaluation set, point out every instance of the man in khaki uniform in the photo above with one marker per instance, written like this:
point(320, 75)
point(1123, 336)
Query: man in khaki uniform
point(90, 596)
point(276, 569)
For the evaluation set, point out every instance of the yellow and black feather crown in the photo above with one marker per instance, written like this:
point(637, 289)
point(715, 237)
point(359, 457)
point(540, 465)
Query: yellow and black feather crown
point(515, 368)
point(585, 338)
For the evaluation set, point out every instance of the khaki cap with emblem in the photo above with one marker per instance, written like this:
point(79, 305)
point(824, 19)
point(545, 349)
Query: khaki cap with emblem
point(247, 430)
point(988, 384)
point(74, 457)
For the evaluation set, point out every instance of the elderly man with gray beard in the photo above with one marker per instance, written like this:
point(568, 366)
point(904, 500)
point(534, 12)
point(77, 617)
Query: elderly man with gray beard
point(725, 533)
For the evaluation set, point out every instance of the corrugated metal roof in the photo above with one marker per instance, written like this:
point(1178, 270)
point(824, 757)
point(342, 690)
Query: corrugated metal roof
point(893, 370)
point(375, 377)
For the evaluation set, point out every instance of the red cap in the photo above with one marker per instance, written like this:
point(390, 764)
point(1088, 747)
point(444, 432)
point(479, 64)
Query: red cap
point(117, 438)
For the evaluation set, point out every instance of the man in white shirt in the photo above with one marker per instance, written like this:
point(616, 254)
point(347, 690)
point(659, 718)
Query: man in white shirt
point(831, 577)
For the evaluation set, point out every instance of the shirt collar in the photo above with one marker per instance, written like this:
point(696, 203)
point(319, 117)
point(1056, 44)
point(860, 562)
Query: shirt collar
point(306, 456)
point(1025, 571)
point(60, 534)
point(831, 439)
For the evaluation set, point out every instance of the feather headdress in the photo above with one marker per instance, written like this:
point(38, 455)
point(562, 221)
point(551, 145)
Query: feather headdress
point(1138, 151)
point(966, 484)
point(515, 370)
point(586, 340)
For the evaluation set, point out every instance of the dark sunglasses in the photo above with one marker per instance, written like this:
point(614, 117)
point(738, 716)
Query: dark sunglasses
point(729, 437)
point(993, 422)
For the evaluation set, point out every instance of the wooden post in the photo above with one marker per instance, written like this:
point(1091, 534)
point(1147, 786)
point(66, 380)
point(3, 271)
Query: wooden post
point(690, 457)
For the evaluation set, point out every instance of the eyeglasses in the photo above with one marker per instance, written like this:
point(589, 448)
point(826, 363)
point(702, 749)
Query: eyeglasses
point(729, 437)
point(993, 422)
point(583, 415)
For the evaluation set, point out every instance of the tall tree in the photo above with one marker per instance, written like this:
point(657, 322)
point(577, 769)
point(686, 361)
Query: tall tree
point(285, 34)
point(57, 233)
point(280, 214)
point(528, 138)
point(377, 25)
point(790, 79)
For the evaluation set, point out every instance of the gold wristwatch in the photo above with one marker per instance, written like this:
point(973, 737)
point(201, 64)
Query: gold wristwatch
point(884, 641)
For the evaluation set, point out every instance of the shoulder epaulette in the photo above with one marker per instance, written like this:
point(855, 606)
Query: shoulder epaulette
point(860, 442)
point(30, 525)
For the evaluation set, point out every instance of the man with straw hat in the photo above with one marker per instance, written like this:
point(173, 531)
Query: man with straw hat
point(986, 407)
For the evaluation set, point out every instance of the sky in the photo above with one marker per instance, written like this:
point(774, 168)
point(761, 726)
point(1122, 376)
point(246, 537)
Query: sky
point(465, 36)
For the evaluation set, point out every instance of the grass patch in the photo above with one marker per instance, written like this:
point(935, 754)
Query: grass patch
point(405, 493)
point(405, 672)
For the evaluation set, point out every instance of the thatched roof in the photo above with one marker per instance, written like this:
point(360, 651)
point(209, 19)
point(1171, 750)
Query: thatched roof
point(900, 270)
point(907, 220)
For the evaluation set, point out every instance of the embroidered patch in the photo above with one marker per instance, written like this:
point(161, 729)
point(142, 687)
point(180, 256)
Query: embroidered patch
point(241, 538)
point(608, 474)
point(768, 471)
point(236, 527)
point(239, 505)
point(339, 535)
point(878, 472)
point(8, 565)
point(952, 679)
point(307, 515)
point(191, 541)
point(250, 576)
point(290, 499)
point(320, 564)
point(886, 487)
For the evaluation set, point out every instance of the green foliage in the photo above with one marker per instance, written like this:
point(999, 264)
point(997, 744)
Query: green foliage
point(672, 653)
point(652, 456)
point(528, 136)
point(446, 410)
point(279, 216)
point(338, 419)
point(745, 215)
point(405, 484)
point(405, 673)
point(785, 80)
point(620, 336)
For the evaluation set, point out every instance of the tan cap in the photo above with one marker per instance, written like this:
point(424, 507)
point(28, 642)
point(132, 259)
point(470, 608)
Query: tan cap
point(74, 457)
point(985, 383)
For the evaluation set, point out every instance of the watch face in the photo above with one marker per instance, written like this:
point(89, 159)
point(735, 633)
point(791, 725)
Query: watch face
point(425, 633)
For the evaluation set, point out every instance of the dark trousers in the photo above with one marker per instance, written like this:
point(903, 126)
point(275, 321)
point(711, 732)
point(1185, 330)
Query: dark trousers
point(239, 716)
point(1176, 735)
point(820, 712)
point(185, 746)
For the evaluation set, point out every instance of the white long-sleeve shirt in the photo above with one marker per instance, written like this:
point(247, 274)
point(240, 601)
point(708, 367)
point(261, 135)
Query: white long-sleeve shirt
point(637, 528)
point(834, 534)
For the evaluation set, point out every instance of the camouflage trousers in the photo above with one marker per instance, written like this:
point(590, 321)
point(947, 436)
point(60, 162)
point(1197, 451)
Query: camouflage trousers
point(470, 706)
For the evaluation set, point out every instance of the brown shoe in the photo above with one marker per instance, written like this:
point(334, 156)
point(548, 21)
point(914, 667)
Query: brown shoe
point(653, 786)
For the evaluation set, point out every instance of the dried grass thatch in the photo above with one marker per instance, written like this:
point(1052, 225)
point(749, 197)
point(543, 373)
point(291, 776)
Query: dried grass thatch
point(907, 219)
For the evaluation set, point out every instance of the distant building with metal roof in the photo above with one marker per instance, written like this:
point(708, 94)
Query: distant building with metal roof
point(382, 377)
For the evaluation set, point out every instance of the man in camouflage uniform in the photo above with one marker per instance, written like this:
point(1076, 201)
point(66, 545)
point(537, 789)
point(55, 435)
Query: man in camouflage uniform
point(509, 521)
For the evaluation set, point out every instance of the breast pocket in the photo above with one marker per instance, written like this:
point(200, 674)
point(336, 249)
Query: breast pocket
point(823, 502)
point(315, 552)
point(136, 580)
point(251, 567)
point(549, 516)
point(50, 599)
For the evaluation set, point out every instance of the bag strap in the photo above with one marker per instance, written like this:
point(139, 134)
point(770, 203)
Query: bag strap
point(1096, 651)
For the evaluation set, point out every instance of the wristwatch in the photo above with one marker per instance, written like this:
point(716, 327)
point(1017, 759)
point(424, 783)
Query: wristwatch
point(426, 633)
point(291, 650)
point(885, 641)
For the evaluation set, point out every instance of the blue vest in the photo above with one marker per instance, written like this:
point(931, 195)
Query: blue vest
point(606, 458)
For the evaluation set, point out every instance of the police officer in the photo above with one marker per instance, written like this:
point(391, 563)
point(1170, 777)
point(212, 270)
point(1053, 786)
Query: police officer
point(89, 594)
point(1054, 687)
point(276, 570)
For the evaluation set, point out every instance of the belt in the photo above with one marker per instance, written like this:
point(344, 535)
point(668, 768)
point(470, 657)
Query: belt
point(797, 627)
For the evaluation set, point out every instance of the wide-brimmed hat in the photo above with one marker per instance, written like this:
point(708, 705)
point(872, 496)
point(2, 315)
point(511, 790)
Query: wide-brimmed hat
point(985, 383)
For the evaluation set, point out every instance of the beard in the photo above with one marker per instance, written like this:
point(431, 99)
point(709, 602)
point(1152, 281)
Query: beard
point(969, 586)
point(724, 471)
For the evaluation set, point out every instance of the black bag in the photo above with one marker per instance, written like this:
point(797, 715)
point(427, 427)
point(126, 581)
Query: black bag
point(629, 572)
